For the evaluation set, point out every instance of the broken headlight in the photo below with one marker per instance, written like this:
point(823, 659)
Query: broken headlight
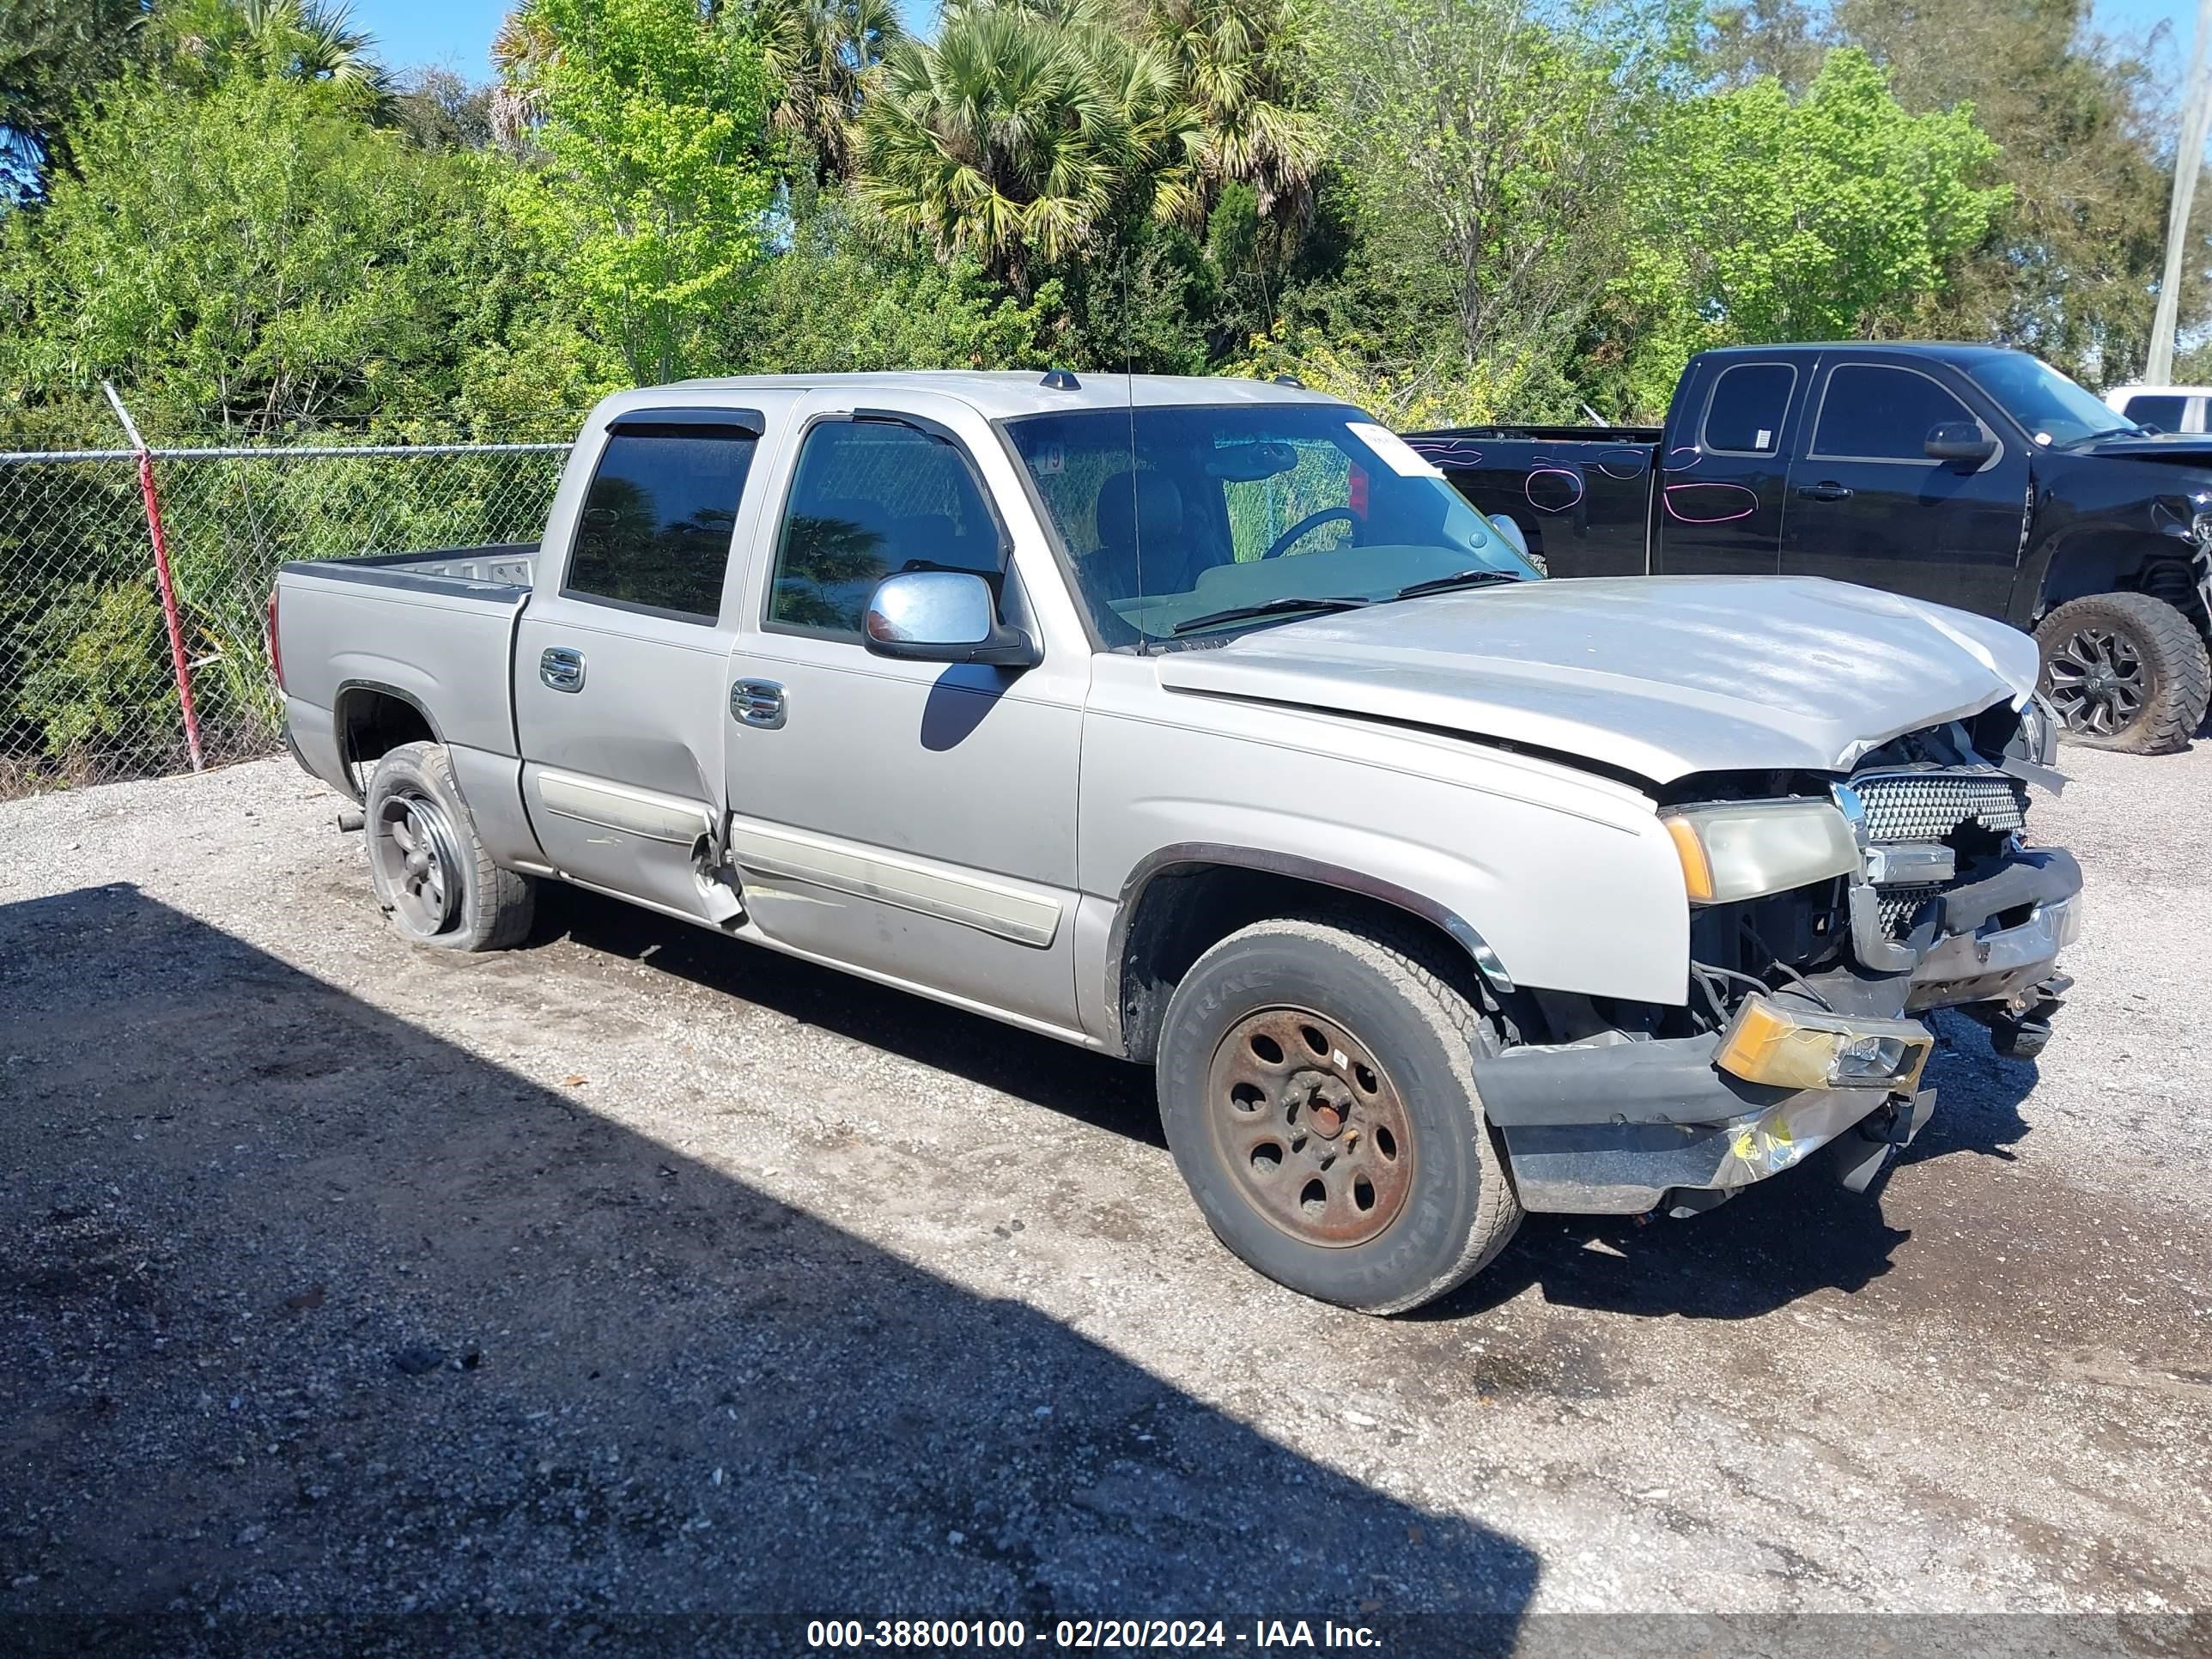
point(1787, 1048)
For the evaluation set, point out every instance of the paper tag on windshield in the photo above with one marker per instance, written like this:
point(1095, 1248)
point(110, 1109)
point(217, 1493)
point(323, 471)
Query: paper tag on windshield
point(1395, 452)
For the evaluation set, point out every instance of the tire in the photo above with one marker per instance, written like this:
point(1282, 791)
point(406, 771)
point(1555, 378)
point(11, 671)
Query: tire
point(431, 875)
point(1347, 1004)
point(2125, 672)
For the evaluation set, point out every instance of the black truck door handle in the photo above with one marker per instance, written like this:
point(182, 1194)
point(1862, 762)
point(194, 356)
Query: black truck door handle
point(1825, 492)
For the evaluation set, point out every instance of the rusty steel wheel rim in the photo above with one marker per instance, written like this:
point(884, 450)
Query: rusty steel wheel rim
point(1310, 1126)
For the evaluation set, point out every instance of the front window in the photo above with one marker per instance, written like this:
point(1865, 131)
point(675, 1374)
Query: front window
point(1870, 413)
point(1172, 516)
point(871, 498)
point(2047, 405)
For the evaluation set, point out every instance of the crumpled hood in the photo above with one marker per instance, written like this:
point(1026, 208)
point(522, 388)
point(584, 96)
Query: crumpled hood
point(1660, 676)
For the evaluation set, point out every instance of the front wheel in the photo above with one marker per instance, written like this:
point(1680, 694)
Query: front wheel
point(2125, 672)
point(431, 875)
point(1316, 1086)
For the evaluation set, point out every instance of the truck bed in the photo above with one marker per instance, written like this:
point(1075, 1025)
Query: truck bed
point(495, 564)
point(1582, 495)
point(435, 630)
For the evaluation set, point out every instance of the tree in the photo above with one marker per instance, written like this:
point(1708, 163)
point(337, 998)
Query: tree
point(1483, 144)
point(1020, 135)
point(822, 59)
point(1769, 218)
point(1238, 63)
point(285, 39)
point(324, 268)
point(52, 53)
point(648, 186)
point(2070, 270)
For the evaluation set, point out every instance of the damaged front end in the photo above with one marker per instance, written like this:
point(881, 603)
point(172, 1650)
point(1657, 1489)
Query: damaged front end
point(1827, 914)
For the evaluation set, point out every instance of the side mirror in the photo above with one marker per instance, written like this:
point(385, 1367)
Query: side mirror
point(943, 616)
point(1960, 441)
point(1515, 537)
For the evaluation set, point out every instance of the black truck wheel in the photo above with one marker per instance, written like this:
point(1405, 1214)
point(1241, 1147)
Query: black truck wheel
point(431, 875)
point(1315, 1085)
point(2126, 672)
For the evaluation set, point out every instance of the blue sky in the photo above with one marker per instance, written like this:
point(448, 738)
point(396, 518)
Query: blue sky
point(456, 34)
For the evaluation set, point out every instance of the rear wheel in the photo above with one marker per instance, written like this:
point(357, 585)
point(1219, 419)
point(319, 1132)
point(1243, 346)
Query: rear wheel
point(1315, 1087)
point(2126, 672)
point(431, 875)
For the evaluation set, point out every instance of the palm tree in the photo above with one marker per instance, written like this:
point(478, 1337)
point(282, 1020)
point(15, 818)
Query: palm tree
point(823, 58)
point(287, 40)
point(524, 44)
point(1020, 131)
point(1235, 62)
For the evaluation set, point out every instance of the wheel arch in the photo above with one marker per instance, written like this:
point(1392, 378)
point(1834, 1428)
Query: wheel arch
point(371, 719)
point(1183, 899)
point(2117, 559)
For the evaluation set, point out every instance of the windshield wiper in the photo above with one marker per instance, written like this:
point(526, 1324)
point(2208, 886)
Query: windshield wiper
point(1457, 579)
point(2101, 432)
point(1270, 608)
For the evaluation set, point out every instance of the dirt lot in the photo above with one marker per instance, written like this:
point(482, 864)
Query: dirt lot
point(636, 1272)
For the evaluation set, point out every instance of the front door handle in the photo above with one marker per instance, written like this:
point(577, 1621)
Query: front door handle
point(757, 703)
point(562, 668)
point(1825, 492)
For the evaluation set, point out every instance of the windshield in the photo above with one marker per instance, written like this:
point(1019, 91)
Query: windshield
point(2044, 402)
point(1173, 516)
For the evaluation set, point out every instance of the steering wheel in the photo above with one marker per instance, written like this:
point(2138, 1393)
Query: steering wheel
point(1290, 538)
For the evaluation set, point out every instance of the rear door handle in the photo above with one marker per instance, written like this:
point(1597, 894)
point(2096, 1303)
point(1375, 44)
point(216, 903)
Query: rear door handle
point(757, 703)
point(1825, 492)
point(562, 668)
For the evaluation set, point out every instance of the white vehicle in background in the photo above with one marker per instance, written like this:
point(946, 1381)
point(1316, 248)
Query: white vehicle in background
point(2167, 408)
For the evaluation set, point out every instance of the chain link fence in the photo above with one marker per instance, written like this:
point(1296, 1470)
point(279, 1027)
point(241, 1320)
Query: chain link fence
point(89, 691)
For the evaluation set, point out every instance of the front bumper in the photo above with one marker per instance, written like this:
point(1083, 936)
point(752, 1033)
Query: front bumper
point(1615, 1129)
point(1627, 1125)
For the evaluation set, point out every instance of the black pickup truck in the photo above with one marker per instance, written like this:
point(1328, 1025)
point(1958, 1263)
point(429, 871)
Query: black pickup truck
point(1968, 475)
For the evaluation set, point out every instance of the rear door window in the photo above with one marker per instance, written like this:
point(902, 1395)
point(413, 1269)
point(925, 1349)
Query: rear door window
point(1873, 413)
point(1744, 417)
point(654, 531)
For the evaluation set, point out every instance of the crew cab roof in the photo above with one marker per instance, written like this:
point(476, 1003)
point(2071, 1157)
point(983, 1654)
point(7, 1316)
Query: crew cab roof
point(1003, 395)
point(1957, 353)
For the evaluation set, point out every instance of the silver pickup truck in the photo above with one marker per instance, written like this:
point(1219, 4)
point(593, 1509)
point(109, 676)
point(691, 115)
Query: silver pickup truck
point(1202, 723)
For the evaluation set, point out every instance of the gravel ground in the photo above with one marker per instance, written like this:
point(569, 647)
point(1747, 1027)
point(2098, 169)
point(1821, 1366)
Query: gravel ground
point(640, 1272)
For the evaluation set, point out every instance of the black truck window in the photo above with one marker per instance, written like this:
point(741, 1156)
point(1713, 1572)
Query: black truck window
point(2158, 409)
point(1871, 413)
point(654, 531)
point(1748, 403)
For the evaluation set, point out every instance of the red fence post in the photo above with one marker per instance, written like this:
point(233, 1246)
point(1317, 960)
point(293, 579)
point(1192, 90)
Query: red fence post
point(161, 577)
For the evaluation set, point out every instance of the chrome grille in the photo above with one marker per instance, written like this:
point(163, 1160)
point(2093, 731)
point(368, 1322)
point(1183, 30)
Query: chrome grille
point(1930, 805)
point(1901, 905)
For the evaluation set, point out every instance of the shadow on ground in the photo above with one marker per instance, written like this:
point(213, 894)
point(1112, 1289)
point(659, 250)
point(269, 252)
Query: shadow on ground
point(309, 1312)
point(1779, 1241)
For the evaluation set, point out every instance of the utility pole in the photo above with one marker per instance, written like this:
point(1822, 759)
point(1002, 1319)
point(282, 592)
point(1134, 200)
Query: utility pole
point(2188, 162)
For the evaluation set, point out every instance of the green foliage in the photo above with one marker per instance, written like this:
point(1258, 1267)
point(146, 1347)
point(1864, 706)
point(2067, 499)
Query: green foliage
point(648, 185)
point(97, 668)
point(1018, 134)
point(838, 300)
point(822, 59)
point(323, 269)
point(54, 52)
point(1770, 218)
